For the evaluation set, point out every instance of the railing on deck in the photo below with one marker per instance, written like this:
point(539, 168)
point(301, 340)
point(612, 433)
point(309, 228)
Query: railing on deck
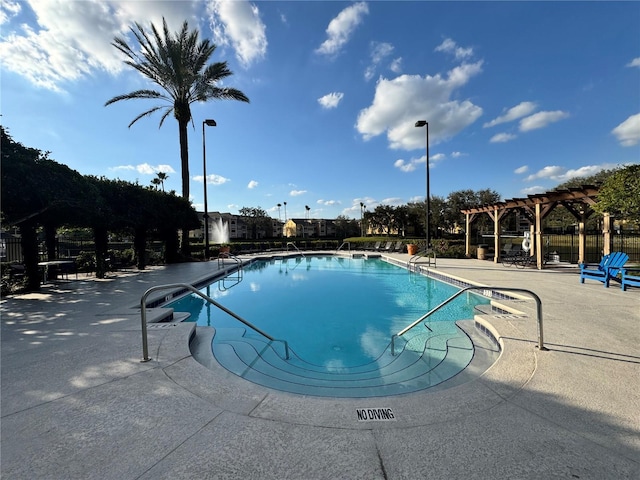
point(174, 286)
point(484, 289)
point(426, 253)
point(294, 246)
point(348, 244)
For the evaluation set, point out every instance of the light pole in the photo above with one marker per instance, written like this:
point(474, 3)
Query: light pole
point(209, 123)
point(419, 124)
point(362, 207)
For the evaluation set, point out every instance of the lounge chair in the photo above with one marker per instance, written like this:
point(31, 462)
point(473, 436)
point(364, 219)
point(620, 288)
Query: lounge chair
point(607, 270)
point(387, 247)
point(375, 248)
point(630, 278)
point(398, 247)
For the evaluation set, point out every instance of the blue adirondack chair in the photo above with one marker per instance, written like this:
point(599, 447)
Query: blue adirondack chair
point(607, 270)
point(630, 278)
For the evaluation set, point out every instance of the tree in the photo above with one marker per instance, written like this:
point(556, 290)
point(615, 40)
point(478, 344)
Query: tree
point(620, 194)
point(161, 176)
point(37, 191)
point(257, 219)
point(178, 64)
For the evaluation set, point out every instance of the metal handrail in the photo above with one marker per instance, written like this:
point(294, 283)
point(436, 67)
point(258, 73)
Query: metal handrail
point(222, 256)
point(294, 246)
point(143, 316)
point(348, 244)
point(466, 289)
point(421, 254)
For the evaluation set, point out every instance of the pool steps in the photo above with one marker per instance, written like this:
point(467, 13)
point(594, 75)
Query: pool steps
point(426, 360)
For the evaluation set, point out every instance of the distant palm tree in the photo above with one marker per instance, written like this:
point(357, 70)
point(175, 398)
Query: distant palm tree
point(155, 182)
point(178, 65)
point(161, 177)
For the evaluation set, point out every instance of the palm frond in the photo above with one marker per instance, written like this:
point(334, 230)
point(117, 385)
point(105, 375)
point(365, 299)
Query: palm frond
point(149, 94)
point(149, 112)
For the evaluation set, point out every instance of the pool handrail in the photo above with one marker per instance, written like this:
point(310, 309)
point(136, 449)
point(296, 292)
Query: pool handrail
point(173, 286)
point(348, 244)
point(427, 252)
point(294, 246)
point(484, 289)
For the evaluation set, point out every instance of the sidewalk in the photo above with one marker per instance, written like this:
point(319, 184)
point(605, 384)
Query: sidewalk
point(78, 403)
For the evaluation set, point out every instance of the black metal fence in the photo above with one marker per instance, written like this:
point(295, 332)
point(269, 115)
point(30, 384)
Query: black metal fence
point(566, 245)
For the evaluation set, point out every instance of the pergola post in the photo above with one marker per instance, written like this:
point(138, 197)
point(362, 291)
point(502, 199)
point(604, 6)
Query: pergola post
point(467, 234)
point(538, 238)
point(496, 235)
point(606, 233)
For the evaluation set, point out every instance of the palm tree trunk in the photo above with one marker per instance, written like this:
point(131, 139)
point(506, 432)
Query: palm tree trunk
point(183, 121)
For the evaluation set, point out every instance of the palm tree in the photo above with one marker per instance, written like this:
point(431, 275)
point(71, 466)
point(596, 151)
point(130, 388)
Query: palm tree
point(178, 64)
point(161, 177)
point(155, 182)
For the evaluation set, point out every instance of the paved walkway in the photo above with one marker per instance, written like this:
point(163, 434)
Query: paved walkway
point(78, 403)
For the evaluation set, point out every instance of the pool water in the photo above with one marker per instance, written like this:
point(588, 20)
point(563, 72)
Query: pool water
point(335, 312)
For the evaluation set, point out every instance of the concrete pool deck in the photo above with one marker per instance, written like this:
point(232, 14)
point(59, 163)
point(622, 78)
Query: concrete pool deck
point(78, 403)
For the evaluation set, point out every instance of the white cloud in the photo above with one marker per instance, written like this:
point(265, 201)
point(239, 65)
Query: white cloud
point(634, 63)
point(562, 174)
point(331, 100)
point(396, 65)
point(341, 27)
point(252, 184)
point(296, 193)
point(398, 103)
point(521, 170)
point(502, 137)
point(449, 46)
point(379, 51)
point(457, 154)
point(144, 168)
point(212, 179)
point(533, 190)
point(329, 202)
point(628, 132)
point(521, 110)
point(70, 40)
point(541, 120)
point(122, 167)
point(8, 9)
point(408, 166)
point(238, 24)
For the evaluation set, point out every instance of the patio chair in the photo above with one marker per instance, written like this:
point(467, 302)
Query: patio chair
point(630, 278)
point(375, 248)
point(398, 247)
point(607, 270)
point(387, 247)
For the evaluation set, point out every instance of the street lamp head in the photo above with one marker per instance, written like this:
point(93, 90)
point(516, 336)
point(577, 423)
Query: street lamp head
point(210, 123)
point(421, 123)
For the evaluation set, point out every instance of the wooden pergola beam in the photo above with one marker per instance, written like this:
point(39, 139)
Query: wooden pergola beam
point(538, 207)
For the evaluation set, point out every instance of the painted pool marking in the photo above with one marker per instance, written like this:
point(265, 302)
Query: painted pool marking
point(383, 414)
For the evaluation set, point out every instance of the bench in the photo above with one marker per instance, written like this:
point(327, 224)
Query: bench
point(630, 279)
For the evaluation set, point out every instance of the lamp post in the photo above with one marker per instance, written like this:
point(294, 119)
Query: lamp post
point(420, 124)
point(362, 207)
point(209, 123)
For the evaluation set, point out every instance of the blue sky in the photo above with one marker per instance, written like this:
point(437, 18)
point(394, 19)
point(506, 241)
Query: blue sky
point(519, 96)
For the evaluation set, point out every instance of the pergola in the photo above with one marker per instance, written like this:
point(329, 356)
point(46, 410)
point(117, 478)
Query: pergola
point(578, 201)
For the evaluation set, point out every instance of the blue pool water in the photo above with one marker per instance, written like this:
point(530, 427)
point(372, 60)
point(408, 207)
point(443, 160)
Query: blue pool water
point(334, 312)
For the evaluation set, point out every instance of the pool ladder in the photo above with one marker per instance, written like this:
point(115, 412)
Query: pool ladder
point(191, 288)
point(294, 246)
point(487, 291)
point(412, 264)
point(236, 278)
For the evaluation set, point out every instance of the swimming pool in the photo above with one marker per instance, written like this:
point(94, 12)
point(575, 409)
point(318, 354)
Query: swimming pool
point(338, 315)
